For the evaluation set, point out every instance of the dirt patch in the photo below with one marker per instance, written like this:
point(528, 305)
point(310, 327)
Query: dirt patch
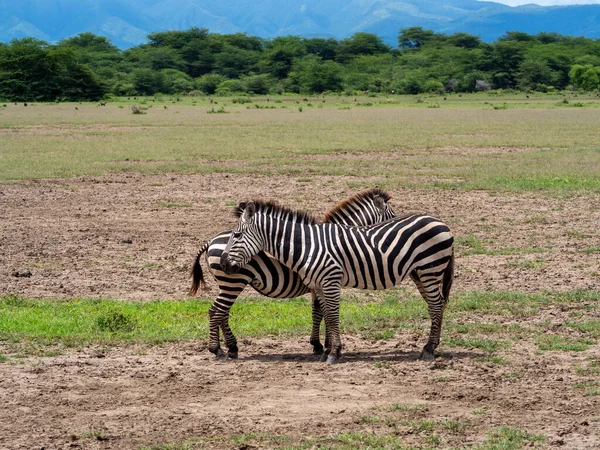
point(134, 237)
point(131, 397)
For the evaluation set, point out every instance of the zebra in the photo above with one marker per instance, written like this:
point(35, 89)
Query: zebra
point(331, 256)
point(271, 278)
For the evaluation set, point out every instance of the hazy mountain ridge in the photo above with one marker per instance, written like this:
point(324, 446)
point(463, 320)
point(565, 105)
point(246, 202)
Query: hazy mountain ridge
point(127, 22)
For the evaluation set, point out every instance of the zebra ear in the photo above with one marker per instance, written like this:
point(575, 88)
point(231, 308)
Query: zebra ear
point(249, 211)
point(379, 202)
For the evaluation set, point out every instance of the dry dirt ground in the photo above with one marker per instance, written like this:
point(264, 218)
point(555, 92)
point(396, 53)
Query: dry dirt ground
point(131, 236)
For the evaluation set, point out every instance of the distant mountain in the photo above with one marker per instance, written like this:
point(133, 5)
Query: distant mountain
point(128, 22)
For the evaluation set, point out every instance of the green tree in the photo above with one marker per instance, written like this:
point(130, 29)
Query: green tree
point(258, 84)
point(208, 83)
point(535, 74)
point(414, 37)
point(585, 77)
point(326, 49)
point(464, 40)
point(311, 74)
point(234, 62)
point(280, 54)
point(148, 82)
point(360, 44)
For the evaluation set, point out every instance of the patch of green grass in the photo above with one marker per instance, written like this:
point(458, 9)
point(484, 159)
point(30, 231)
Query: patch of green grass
point(75, 322)
point(382, 364)
point(538, 263)
point(472, 245)
point(487, 345)
point(512, 375)
point(517, 303)
point(591, 250)
point(407, 407)
point(561, 343)
point(453, 426)
point(506, 438)
point(94, 433)
point(33, 325)
point(593, 369)
point(499, 360)
point(370, 419)
point(591, 388)
point(578, 234)
point(3, 358)
point(152, 265)
point(589, 328)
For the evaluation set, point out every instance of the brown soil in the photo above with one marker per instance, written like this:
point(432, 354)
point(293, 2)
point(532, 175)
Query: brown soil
point(134, 237)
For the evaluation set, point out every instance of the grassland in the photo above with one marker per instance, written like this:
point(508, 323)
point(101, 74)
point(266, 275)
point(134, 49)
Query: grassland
point(533, 144)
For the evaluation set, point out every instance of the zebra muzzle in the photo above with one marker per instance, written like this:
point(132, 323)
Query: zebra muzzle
point(227, 265)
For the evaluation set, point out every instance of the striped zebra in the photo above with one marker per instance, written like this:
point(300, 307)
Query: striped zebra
point(271, 278)
point(330, 256)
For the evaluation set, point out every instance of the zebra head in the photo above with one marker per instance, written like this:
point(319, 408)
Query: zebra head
point(245, 240)
point(362, 209)
point(383, 207)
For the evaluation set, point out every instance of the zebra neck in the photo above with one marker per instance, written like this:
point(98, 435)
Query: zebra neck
point(291, 243)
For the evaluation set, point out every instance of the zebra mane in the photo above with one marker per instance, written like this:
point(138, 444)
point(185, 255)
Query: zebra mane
point(356, 198)
point(281, 212)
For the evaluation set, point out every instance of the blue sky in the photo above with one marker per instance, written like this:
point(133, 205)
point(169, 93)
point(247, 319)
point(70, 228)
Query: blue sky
point(547, 2)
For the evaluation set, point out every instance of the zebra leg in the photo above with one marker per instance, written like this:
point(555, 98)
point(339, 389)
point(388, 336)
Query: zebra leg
point(219, 319)
point(214, 321)
point(331, 308)
point(430, 290)
point(317, 317)
point(230, 339)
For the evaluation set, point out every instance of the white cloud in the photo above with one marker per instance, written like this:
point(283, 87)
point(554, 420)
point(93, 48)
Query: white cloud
point(546, 2)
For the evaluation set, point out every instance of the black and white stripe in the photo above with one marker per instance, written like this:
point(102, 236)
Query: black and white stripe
point(330, 256)
point(270, 277)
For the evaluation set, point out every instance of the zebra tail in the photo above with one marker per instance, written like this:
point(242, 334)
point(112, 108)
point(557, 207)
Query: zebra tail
point(196, 272)
point(448, 278)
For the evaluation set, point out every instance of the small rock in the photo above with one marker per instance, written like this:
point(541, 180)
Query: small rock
point(22, 274)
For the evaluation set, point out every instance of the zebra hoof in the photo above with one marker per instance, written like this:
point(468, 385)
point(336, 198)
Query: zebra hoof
point(232, 355)
point(426, 356)
point(332, 360)
point(220, 355)
point(323, 357)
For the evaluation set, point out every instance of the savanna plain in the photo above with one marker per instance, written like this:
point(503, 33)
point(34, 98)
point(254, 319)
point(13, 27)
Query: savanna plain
point(102, 211)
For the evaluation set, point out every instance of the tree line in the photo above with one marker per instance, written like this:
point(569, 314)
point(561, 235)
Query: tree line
point(89, 67)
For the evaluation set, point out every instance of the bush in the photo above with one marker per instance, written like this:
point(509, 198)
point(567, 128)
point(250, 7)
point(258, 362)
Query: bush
point(258, 84)
point(228, 87)
point(433, 86)
point(208, 83)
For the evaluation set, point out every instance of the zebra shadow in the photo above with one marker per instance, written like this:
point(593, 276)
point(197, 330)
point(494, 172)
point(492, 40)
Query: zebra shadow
point(373, 356)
